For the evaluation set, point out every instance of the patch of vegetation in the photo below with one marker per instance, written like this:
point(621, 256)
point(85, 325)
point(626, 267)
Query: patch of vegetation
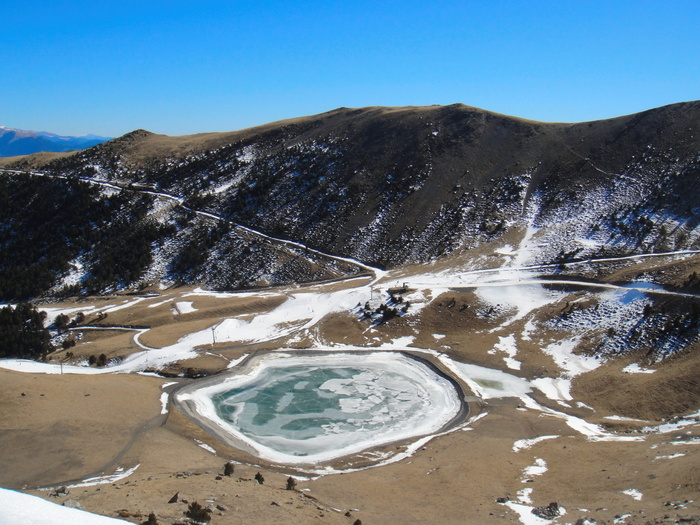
point(197, 513)
point(385, 312)
point(22, 332)
point(46, 223)
point(193, 256)
point(123, 254)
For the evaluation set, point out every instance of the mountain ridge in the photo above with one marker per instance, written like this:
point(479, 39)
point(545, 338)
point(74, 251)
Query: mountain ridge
point(389, 186)
point(15, 142)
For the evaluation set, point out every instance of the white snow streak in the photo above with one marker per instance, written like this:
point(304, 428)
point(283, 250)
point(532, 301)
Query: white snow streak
point(102, 480)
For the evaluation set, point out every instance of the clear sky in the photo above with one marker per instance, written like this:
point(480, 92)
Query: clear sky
point(178, 67)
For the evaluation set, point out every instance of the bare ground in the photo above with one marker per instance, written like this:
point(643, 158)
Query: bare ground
point(56, 430)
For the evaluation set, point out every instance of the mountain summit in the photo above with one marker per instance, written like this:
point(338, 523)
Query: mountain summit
point(23, 142)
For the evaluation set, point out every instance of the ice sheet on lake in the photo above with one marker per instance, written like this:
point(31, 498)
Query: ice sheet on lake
point(362, 401)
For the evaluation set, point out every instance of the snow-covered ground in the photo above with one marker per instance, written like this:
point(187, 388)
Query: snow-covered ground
point(514, 290)
point(101, 480)
point(183, 307)
point(17, 508)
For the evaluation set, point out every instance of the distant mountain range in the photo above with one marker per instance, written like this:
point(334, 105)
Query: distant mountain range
point(22, 142)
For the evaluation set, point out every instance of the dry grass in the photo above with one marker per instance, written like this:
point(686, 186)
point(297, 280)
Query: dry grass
point(66, 434)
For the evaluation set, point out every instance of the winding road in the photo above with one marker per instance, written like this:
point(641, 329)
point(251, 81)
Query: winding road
point(377, 275)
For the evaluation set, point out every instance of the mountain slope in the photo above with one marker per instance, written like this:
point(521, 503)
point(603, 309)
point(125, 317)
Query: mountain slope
point(551, 269)
point(395, 185)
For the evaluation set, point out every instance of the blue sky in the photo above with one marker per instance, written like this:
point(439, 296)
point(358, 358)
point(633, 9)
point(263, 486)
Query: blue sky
point(175, 67)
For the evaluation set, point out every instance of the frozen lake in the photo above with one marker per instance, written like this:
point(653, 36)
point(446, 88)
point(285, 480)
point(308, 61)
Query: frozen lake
point(310, 408)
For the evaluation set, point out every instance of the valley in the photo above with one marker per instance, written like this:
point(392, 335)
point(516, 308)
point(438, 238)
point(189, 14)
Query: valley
point(560, 295)
point(537, 400)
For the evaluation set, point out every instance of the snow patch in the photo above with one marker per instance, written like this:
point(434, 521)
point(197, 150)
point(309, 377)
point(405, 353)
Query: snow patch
point(486, 382)
point(524, 495)
point(235, 362)
point(184, 307)
point(670, 456)
point(507, 345)
point(206, 447)
point(164, 403)
point(524, 444)
point(622, 418)
point(525, 514)
point(671, 426)
point(635, 368)
point(23, 509)
point(524, 298)
point(563, 354)
point(160, 303)
point(102, 480)
point(539, 468)
point(556, 389)
point(634, 493)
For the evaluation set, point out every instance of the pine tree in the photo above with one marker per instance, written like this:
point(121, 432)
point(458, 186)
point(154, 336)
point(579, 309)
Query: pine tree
point(197, 513)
